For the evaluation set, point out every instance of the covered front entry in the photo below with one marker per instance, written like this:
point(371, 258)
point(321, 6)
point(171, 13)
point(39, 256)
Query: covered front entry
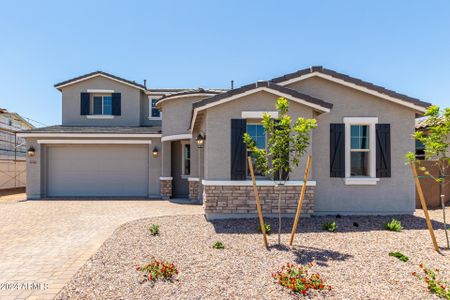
point(180, 168)
point(97, 170)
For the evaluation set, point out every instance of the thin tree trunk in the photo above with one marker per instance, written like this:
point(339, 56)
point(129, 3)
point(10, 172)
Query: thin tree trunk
point(442, 166)
point(279, 216)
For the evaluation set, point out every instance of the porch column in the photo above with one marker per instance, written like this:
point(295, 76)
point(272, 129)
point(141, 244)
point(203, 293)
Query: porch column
point(165, 181)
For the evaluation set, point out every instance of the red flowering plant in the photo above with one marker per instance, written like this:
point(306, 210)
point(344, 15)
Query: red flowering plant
point(155, 270)
point(299, 279)
point(433, 279)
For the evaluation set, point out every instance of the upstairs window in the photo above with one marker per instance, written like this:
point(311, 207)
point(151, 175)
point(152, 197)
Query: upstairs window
point(154, 112)
point(102, 105)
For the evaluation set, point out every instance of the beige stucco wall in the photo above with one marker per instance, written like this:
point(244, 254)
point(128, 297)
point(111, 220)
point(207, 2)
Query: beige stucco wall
point(177, 114)
point(130, 103)
point(390, 195)
point(36, 169)
point(218, 131)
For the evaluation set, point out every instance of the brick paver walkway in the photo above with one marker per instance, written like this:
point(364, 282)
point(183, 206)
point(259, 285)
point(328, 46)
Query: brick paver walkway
point(46, 242)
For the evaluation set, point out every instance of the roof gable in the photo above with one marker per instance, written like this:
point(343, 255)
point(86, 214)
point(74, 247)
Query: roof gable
point(352, 82)
point(293, 95)
point(65, 83)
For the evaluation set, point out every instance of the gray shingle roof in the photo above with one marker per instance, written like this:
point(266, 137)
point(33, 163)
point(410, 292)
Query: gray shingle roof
point(96, 129)
point(259, 84)
point(353, 80)
point(195, 91)
point(138, 85)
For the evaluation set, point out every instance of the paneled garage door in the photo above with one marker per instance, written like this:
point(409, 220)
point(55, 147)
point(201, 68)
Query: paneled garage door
point(97, 170)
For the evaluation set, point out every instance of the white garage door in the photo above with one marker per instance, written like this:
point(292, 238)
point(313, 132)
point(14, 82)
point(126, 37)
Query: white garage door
point(97, 170)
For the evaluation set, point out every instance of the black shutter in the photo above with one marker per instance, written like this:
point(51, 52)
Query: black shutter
point(84, 104)
point(116, 105)
point(337, 150)
point(238, 149)
point(383, 150)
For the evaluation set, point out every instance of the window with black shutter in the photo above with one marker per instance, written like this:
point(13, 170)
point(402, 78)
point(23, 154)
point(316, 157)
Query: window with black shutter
point(238, 149)
point(337, 150)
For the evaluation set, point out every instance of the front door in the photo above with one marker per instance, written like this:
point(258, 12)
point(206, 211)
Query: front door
point(180, 157)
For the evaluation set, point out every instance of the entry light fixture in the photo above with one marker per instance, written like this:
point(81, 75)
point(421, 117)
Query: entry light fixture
point(155, 152)
point(200, 140)
point(31, 151)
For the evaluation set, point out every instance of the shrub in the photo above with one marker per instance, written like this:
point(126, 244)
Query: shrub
point(298, 279)
point(330, 226)
point(400, 256)
point(155, 270)
point(394, 225)
point(436, 285)
point(218, 245)
point(154, 229)
point(267, 227)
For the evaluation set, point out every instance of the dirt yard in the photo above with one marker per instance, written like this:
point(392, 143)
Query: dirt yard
point(354, 260)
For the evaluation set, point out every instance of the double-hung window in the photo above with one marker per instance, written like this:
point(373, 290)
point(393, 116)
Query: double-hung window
point(360, 147)
point(154, 112)
point(258, 134)
point(359, 150)
point(102, 105)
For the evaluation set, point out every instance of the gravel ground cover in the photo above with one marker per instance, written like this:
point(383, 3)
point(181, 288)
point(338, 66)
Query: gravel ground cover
point(354, 260)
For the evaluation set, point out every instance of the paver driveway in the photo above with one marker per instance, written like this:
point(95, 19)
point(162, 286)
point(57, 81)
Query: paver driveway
point(48, 241)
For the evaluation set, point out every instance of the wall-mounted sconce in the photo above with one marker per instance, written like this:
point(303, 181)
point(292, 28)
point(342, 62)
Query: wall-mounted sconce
point(155, 152)
point(31, 151)
point(200, 140)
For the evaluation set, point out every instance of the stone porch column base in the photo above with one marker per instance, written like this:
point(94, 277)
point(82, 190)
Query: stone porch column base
point(165, 187)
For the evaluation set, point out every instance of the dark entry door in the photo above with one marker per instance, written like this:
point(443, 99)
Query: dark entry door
point(180, 185)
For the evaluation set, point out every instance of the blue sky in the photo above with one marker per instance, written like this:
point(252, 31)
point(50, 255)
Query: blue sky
point(402, 45)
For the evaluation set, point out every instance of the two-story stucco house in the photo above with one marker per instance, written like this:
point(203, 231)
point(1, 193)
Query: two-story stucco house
point(119, 138)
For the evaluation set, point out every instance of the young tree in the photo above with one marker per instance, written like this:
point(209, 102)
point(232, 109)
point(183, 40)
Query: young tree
point(436, 141)
point(287, 142)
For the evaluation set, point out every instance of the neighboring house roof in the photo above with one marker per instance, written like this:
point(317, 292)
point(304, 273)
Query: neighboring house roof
point(191, 93)
point(352, 82)
point(102, 74)
point(96, 130)
point(423, 123)
point(267, 86)
point(17, 117)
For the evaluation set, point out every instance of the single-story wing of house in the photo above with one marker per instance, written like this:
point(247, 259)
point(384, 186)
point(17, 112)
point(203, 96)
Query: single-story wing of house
point(119, 138)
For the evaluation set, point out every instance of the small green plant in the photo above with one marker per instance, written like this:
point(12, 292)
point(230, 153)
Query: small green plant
point(154, 229)
point(436, 285)
point(399, 255)
point(267, 227)
point(330, 226)
point(155, 270)
point(299, 280)
point(394, 225)
point(218, 245)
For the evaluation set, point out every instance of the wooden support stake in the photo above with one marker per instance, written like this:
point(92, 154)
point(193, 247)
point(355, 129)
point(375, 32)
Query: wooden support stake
point(258, 203)
point(424, 206)
point(300, 200)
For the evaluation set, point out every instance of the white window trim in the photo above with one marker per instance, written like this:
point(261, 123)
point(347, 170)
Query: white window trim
point(98, 91)
point(183, 143)
point(99, 117)
point(258, 114)
point(363, 180)
point(150, 109)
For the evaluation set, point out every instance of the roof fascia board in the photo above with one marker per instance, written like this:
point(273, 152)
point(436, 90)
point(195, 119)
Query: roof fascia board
point(354, 86)
point(95, 75)
point(89, 135)
point(258, 89)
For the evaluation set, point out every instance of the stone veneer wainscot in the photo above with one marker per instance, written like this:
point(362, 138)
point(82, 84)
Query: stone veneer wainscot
point(165, 186)
point(221, 201)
